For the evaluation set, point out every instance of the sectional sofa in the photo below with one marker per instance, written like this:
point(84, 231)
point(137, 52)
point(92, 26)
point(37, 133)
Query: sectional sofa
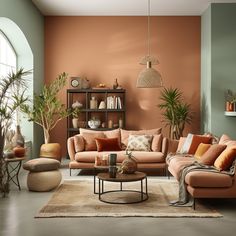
point(204, 184)
point(83, 151)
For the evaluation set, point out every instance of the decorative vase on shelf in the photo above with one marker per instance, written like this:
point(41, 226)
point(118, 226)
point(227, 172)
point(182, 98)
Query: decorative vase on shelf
point(18, 139)
point(94, 123)
point(93, 103)
point(129, 164)
point(75, 123)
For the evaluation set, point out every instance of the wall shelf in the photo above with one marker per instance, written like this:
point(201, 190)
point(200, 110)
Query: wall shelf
point(230, 113)
point(105, 115)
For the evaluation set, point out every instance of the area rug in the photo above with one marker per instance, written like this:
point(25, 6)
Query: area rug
point(75, 198)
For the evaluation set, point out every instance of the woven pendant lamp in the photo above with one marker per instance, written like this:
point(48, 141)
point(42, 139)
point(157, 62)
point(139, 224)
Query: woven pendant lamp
point(149, 77)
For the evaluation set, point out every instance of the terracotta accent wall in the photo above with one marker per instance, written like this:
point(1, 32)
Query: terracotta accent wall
point(105, 48)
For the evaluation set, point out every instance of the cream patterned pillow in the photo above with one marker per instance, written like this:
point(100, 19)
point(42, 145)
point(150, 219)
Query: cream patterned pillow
point(139, 143)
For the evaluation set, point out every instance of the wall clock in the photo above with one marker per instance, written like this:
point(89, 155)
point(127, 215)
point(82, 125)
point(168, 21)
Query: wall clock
point(75, 82)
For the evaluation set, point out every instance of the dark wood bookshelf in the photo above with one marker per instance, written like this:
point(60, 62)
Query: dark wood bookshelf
point(84, 96)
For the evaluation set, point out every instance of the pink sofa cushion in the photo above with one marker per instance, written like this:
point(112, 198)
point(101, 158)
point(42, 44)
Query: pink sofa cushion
point(156, 142)
point(89, 140)
point(208, 179)
point(209, 157)
point(226, 140)
point(107, 134)
point(141, 157)
point(79, 143)
point(125, 134)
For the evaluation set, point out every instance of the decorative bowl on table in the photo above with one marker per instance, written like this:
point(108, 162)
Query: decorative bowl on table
point(94, 124)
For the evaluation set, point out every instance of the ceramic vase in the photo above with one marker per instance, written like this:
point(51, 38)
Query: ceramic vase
point(129, 165)
point(18, 139)
point(19, 151)
point(51, 150)
point(75, 123)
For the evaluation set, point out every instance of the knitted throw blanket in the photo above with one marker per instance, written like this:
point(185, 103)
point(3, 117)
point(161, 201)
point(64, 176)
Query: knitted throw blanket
point(184, 197)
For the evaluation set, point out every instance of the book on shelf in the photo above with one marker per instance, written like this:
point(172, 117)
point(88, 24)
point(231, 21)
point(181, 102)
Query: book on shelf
point(114, 102)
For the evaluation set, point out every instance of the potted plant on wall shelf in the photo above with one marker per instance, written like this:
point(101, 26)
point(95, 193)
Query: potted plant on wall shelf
point(12, 96)
point(176, 112)
point(46, 111)
point(75, 119)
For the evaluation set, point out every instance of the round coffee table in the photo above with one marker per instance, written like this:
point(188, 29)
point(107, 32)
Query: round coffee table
point(122, 178)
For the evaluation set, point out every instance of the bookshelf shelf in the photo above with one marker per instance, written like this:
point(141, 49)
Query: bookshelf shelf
point(116, 112)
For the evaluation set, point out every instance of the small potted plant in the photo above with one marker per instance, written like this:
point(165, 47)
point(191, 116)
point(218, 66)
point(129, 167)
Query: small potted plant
point(75, 119)
point(230, 99)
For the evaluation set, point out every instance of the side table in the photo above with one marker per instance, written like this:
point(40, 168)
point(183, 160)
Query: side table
point(13, 166)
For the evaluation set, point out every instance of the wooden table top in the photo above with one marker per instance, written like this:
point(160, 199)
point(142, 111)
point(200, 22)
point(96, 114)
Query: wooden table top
point(14, 159)
point(122, 177)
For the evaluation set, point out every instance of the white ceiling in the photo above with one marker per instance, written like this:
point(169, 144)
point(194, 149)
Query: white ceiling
point(123, 7)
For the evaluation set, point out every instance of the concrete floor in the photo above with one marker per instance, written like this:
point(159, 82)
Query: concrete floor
point(18, 209)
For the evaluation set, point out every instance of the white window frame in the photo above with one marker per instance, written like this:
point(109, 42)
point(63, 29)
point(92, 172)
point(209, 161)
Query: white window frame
point(5, 64)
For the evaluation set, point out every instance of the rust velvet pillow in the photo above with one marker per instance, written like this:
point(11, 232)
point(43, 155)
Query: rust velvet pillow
point(107, 144)
point(89, 140)
point(225, 159)
point(196, 140)
point(209, 157)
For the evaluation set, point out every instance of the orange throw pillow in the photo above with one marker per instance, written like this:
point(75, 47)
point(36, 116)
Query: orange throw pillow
point(209, 157)
point(225, 159)
point(196, 140)
point(202, 148)
point(108, 144)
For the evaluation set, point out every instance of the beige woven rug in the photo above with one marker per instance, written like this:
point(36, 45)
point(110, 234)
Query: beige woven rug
point(75, 198)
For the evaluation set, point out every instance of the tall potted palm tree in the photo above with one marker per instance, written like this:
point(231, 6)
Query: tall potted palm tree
point(12, 96)
point(176, 112)
point(47, 110)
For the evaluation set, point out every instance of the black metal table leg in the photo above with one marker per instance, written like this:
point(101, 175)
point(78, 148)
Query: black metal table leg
point(146, 186)
point(141, 190)
point(13, 173)
point(99, 189)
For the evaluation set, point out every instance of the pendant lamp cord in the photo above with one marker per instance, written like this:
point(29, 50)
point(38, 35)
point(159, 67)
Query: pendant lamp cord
point(148, 41)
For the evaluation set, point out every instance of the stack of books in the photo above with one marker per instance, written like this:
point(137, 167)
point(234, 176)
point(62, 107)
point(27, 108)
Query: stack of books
point(114, 102)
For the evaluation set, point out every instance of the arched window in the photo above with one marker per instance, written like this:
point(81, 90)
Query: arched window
point(8, 58)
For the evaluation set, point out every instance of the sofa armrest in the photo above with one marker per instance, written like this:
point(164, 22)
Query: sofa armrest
point(172, 145)
point(71, 148)
point(164, 146)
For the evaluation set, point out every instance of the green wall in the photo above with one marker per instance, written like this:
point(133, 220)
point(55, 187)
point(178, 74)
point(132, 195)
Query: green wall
point(30, 21)
point(218, 67)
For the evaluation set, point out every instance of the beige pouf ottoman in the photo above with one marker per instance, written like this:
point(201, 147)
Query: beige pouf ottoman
point(43, 174)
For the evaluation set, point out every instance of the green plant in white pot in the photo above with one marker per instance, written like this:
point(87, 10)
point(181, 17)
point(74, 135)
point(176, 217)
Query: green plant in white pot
point(47, 110)
point(12, 96)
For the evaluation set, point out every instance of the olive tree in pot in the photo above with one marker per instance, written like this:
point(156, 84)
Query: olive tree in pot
point(176, 112)
point(12, 96)
point(47, 110)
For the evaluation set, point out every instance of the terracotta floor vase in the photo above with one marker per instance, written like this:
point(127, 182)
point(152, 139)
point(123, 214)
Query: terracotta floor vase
point(51, 150)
